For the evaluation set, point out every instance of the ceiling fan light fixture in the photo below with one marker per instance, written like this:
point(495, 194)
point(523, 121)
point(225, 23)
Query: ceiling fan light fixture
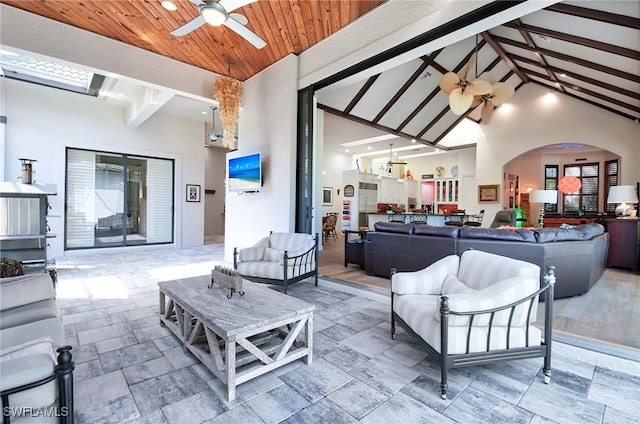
point(213, 13)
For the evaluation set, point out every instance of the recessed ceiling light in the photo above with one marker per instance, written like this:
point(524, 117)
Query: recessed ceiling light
point(346, 150)
point(203, 112)
point(169, 6)
point(369, 147)
point(413, 140)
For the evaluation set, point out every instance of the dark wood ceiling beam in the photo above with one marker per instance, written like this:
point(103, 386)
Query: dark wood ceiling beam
point(363, 90)
point(436, 65)
point(588, 92)
point(571, 59)
point(418, 108)
point(466, 115)
point(500, 51)
point(583, 78)
point(529, 40)
point(609, 18)
point(435, 120)
point(469, 55)
point(452, 126)
point(598, 45)
point(368, 123)
point(426, 61)
point(591, 102)
point(431, 95)
point(419, 71)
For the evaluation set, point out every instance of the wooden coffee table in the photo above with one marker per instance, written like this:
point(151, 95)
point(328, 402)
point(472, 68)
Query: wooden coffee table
point(239, 338)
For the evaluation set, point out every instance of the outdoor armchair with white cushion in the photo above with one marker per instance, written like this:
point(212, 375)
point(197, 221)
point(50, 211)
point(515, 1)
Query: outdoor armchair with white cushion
point(281, 258)
point(35, 385)
point(473, 310)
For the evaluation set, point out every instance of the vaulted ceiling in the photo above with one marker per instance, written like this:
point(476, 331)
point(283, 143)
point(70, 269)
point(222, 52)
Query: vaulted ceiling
point(287, 27)
point(589, 50)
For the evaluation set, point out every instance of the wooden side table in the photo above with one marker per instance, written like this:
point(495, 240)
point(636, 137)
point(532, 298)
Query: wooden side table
point(354, 248)
point(624, 244)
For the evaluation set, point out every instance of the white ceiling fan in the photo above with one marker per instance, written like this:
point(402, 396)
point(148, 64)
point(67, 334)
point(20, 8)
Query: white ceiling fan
point(216, 13)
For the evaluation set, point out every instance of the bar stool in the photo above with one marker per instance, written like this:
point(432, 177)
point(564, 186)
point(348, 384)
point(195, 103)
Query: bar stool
point(456, 219)
point(475, 221)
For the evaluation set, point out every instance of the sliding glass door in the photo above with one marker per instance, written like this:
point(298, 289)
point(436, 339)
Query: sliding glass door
point(117, 200)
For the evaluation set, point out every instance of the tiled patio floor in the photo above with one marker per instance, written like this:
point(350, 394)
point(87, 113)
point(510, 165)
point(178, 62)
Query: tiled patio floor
point(129, 369)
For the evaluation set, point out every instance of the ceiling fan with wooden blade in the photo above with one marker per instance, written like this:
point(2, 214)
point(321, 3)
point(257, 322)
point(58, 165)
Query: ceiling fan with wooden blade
point(216, 13)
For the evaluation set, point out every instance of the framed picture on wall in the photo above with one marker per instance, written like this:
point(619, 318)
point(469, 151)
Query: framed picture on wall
point(327, 196)
point(488, 193)
point(193, 193)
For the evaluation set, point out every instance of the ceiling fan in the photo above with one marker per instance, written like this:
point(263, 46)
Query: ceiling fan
point(390, 162)
point(216, 13)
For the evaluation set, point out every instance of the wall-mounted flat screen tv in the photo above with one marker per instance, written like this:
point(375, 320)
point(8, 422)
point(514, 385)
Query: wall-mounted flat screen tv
point(245, 173)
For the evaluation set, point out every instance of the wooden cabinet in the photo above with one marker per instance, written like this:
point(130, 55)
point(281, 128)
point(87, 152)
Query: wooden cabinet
point(624, 244)
point(552, 221)
point(397, 191)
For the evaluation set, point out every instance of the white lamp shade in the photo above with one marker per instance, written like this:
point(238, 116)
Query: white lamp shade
point(622, 194)
point(213, 13)
point(544, 196)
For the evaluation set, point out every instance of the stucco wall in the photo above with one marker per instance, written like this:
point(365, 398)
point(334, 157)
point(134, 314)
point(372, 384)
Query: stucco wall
point(215, 172)
point(42, 122)
point(267, 126)
point(535, 117)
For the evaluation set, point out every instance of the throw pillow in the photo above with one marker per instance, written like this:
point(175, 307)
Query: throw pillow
point(10, 268)
point(452, 285)
point(425, 281)
point(272, 255)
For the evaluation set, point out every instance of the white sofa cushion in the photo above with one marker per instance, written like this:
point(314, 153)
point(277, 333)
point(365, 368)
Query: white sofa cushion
point(255, 252)
point(420, 311)
point(480, 269)
point(25, 289)
point(426, 281)
point(494, 296)
point(271, 249)
point(452, 285)
point(28, 313)
point(273, 255)
point(27, 363)
point(51, 327)
point(294, 243)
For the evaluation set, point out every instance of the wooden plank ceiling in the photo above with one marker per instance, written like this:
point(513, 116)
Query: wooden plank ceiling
point(589, 50)
point(287, 27)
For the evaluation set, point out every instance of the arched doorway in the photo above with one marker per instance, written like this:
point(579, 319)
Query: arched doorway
point(542, 168)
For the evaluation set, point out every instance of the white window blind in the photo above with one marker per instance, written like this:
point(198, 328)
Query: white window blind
point(159, 200)
point(80, 198)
